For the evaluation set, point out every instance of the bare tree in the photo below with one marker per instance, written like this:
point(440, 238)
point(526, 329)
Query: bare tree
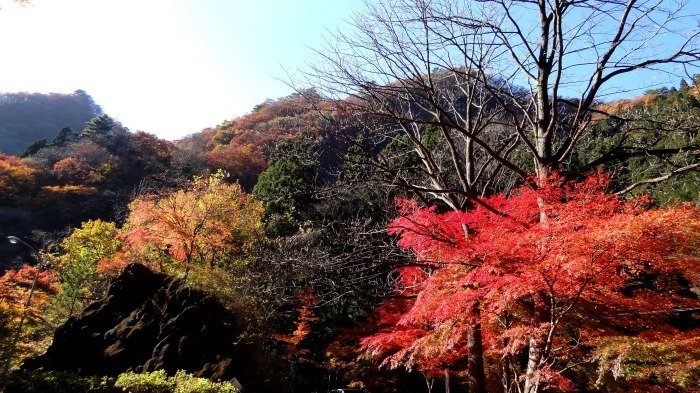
point(513, 86)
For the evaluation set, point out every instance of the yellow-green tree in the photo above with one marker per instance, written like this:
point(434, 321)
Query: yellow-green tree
point(76, 267)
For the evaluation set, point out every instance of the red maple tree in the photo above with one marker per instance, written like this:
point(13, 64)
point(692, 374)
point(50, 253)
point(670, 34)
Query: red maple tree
point(535, 290)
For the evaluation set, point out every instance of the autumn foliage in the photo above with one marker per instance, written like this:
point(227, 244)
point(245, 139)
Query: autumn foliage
point(79, 280)
point(14, 291)
point(303, 326)
point(203, 225)
point(16, 179)
point(243, 145)
point(554, 281)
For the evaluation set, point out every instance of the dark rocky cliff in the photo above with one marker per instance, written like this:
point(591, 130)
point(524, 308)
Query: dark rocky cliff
point(149, 321)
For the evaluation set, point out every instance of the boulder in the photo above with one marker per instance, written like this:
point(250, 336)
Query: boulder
point(149, 321)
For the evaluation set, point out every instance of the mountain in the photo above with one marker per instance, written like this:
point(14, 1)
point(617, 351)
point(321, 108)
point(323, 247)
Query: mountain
point(243, 145)
point(28, 117)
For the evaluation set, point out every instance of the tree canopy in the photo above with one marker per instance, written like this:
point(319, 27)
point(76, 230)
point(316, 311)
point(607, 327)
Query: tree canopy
point(559, 291)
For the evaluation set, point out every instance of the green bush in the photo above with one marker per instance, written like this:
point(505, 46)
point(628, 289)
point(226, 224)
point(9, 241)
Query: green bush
point(153, 382)
point(40, 381)
point(187, 383)
point(159, 382)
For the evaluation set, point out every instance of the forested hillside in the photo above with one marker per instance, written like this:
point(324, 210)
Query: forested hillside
point(308, 243)
point(432, 214)
point(28, 117)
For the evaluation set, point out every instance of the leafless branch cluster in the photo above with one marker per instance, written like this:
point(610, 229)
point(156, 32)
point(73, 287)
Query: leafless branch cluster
point(512, 87)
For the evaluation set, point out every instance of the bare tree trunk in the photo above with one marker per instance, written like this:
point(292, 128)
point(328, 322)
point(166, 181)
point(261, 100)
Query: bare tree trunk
point(537, 343)
point(475, 362)
point(429, 382)
point(447, 380)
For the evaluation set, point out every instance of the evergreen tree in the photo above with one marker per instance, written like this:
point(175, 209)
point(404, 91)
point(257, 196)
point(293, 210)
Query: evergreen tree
point(34, 148)
point(286, 188)
point(100, 125)
point(64, 136)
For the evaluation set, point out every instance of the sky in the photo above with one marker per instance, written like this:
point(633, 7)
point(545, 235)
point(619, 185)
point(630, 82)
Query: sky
point(168, 67)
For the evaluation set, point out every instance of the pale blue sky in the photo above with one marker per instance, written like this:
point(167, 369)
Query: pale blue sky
point(169, 67)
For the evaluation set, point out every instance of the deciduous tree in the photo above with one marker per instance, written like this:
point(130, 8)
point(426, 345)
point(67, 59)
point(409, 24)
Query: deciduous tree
point(512, 85)
point(16, 179)
point(204, 225)
point(78, 278)
point(495, 77)
point(14, 290)
point(597, 271)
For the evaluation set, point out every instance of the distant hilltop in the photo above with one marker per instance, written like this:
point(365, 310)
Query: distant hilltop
point(28, 117)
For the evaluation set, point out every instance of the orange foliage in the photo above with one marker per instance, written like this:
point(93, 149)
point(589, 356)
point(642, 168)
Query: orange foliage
point(16, 178)
point(242, 161)
point(72, 171)
point(14, 290)
point(200, 225)
point(56, 191)
point(241, 146)
point(303, 327)
point(150, 146)
point(646, 100)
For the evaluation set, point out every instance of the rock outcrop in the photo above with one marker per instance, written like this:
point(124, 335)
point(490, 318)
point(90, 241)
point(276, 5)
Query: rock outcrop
point(149, 321)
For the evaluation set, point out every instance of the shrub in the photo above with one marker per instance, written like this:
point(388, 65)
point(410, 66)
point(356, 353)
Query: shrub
point(41, 381)
point(153, 382)
point(159, 382)
point(187, 383)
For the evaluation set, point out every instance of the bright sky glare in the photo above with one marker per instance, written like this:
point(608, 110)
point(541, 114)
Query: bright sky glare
point(168, 67)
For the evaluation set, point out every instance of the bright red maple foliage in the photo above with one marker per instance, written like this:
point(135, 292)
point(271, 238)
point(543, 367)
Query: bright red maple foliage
point(560, 268)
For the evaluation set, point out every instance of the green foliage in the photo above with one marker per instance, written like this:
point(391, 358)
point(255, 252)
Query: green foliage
point(100, 125)
point(675, 362)
point(222, 137)
point(187, 383)
point(645, 140)
point(41, 381)
point(402, 154)
point(64, 136)
point(34, 148)
point(159, 382)
point(286, 188)
point(153, 382)
point(77, 265)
